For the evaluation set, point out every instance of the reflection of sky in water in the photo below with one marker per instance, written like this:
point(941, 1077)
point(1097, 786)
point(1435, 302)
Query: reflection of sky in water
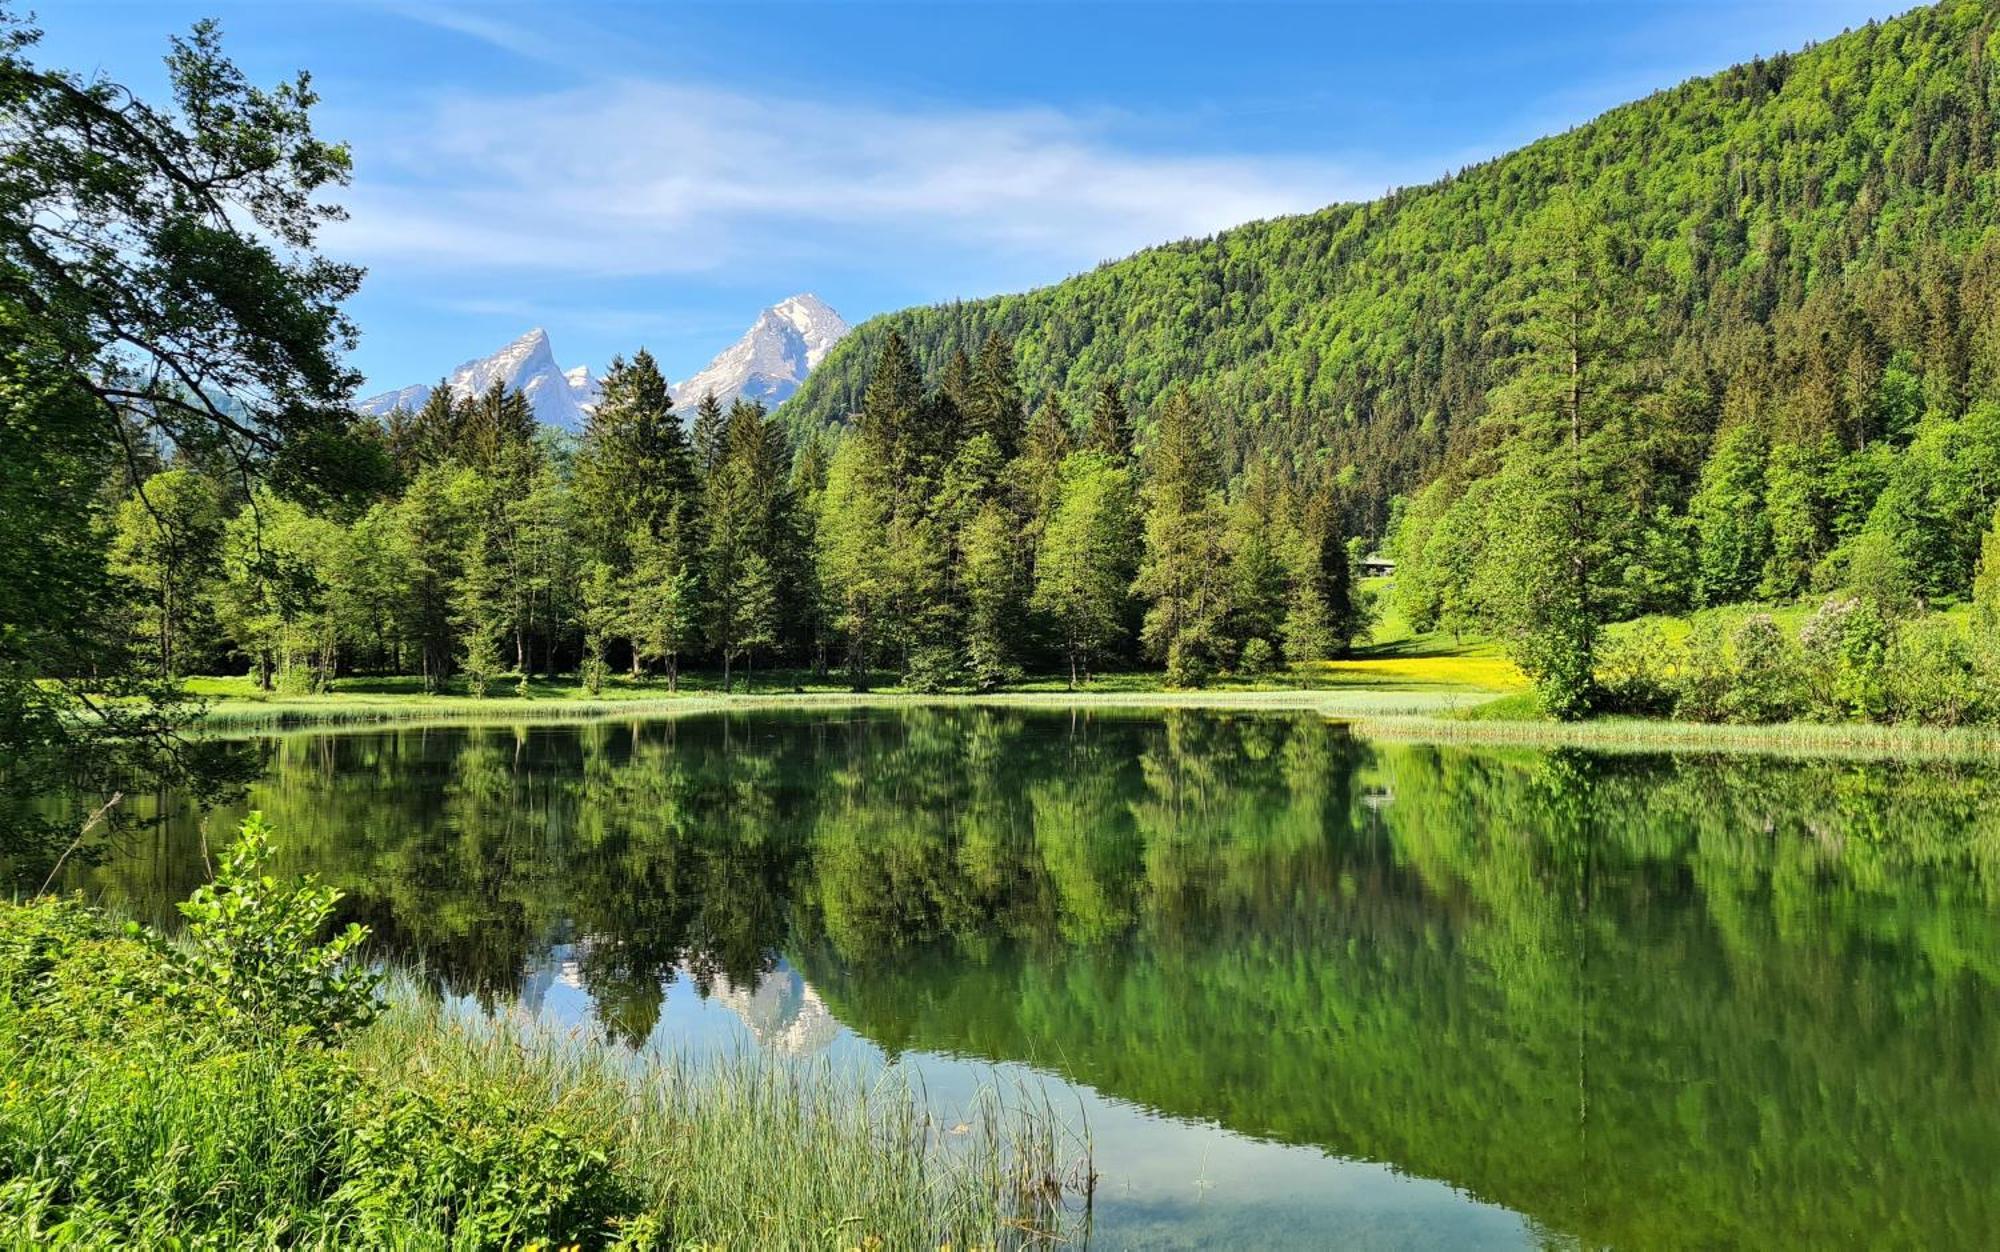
point(1164, 1182)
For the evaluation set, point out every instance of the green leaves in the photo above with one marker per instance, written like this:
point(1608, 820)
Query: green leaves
point(250, 955)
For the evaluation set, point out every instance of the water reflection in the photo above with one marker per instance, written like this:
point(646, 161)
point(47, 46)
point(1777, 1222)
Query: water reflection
point(1641, 1001)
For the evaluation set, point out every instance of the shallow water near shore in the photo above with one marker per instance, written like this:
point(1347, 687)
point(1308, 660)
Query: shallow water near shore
point(1304, 988)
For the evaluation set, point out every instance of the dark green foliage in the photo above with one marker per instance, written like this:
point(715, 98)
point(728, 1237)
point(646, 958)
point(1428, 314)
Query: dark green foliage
point(159, 290)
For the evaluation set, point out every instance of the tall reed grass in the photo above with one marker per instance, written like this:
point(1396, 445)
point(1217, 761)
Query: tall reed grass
point(748, 1148)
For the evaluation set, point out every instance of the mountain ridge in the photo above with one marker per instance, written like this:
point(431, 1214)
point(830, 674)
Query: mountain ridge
point(560, 398)
point(767, 364)
point(1756, 204)
point(771, 359)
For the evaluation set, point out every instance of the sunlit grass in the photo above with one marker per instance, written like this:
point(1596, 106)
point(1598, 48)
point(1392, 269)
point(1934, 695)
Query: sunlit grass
point(753, 1149)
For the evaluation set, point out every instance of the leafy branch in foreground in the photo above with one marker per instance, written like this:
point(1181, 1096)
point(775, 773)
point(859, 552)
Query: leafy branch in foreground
point(251, 955)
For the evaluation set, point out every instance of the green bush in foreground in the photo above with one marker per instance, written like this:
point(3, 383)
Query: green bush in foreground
point(236, 1087)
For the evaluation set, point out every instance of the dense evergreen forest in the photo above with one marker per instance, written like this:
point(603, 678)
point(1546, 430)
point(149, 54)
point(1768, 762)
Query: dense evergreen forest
point(950, 539)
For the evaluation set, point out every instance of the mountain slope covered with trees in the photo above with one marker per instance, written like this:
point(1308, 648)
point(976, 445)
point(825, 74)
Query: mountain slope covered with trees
point(1810, 237)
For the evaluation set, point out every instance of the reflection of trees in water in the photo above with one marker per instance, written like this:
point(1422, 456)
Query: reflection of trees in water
point(1641, 999)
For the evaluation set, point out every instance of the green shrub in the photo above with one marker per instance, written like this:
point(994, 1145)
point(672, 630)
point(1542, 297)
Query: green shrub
point(491, 1167)
point(1187, 664)
point(1766, 679)
point(1932, 678)
point(250, 958)
point(1259, 657)
point(1845, 644)
point(1635, 672)
point(1703, 675)
point(934, 669)
point(222, 1092)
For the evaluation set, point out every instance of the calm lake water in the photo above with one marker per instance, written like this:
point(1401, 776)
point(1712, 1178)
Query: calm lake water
point(1307, 989)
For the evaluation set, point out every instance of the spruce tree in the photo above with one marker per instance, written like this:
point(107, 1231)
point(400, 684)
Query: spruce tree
point(634, 466)
point(994, 407)
point(479, 613)
point(1570, 407)
point(1184, 572)
point(709, 426)
point(1110, 423)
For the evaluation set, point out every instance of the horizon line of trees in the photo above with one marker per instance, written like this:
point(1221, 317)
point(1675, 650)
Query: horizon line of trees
point(949, 536)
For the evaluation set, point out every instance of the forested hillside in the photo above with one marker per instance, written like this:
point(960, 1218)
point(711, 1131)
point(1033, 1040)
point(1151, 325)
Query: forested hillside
point(1811, 237)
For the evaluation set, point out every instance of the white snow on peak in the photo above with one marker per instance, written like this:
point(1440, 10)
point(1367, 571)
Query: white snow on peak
point(527, 365)
point(767, 364)
point(772, 358)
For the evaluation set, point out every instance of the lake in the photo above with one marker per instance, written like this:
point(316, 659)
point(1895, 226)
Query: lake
point(1306, 989)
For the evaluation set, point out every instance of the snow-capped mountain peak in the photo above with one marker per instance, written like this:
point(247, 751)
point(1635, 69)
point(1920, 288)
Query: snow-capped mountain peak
point(772, 358)
point(767, 364)
point(527, 365)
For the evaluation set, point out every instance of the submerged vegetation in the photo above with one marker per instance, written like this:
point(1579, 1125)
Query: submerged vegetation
point(245, 1081)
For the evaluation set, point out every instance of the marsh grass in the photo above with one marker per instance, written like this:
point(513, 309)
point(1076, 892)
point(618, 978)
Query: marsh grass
point(1512, 723)
point(340, 709)
point(748, 1148)
point(136, 1111)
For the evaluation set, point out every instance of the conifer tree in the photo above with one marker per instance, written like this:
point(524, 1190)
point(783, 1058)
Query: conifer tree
point(491, 427)
point(1184, 572)
point(709, 426)
point(1110, 423)
point(1321, 619)
point(994, 407)
point(889, 407)
point(479, 612)
point(634, 466)
point(1570, 405)
point(747, 516)
point(1048, 444)
point(662, 598)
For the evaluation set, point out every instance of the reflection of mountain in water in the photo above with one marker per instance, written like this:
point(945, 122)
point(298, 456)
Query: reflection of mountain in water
point(779, 1008)
point(782, 1011)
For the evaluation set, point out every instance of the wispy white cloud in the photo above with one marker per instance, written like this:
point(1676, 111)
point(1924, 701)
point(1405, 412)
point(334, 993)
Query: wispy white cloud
point(633, 177)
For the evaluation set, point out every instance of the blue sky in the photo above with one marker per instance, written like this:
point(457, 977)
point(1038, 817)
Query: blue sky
point(645, 174)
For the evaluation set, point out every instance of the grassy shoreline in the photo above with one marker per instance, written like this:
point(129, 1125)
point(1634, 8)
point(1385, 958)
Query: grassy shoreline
point(1387, 713)
point(138, 1108)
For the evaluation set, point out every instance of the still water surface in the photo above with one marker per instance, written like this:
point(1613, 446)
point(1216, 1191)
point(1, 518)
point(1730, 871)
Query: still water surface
point(1307, 989)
